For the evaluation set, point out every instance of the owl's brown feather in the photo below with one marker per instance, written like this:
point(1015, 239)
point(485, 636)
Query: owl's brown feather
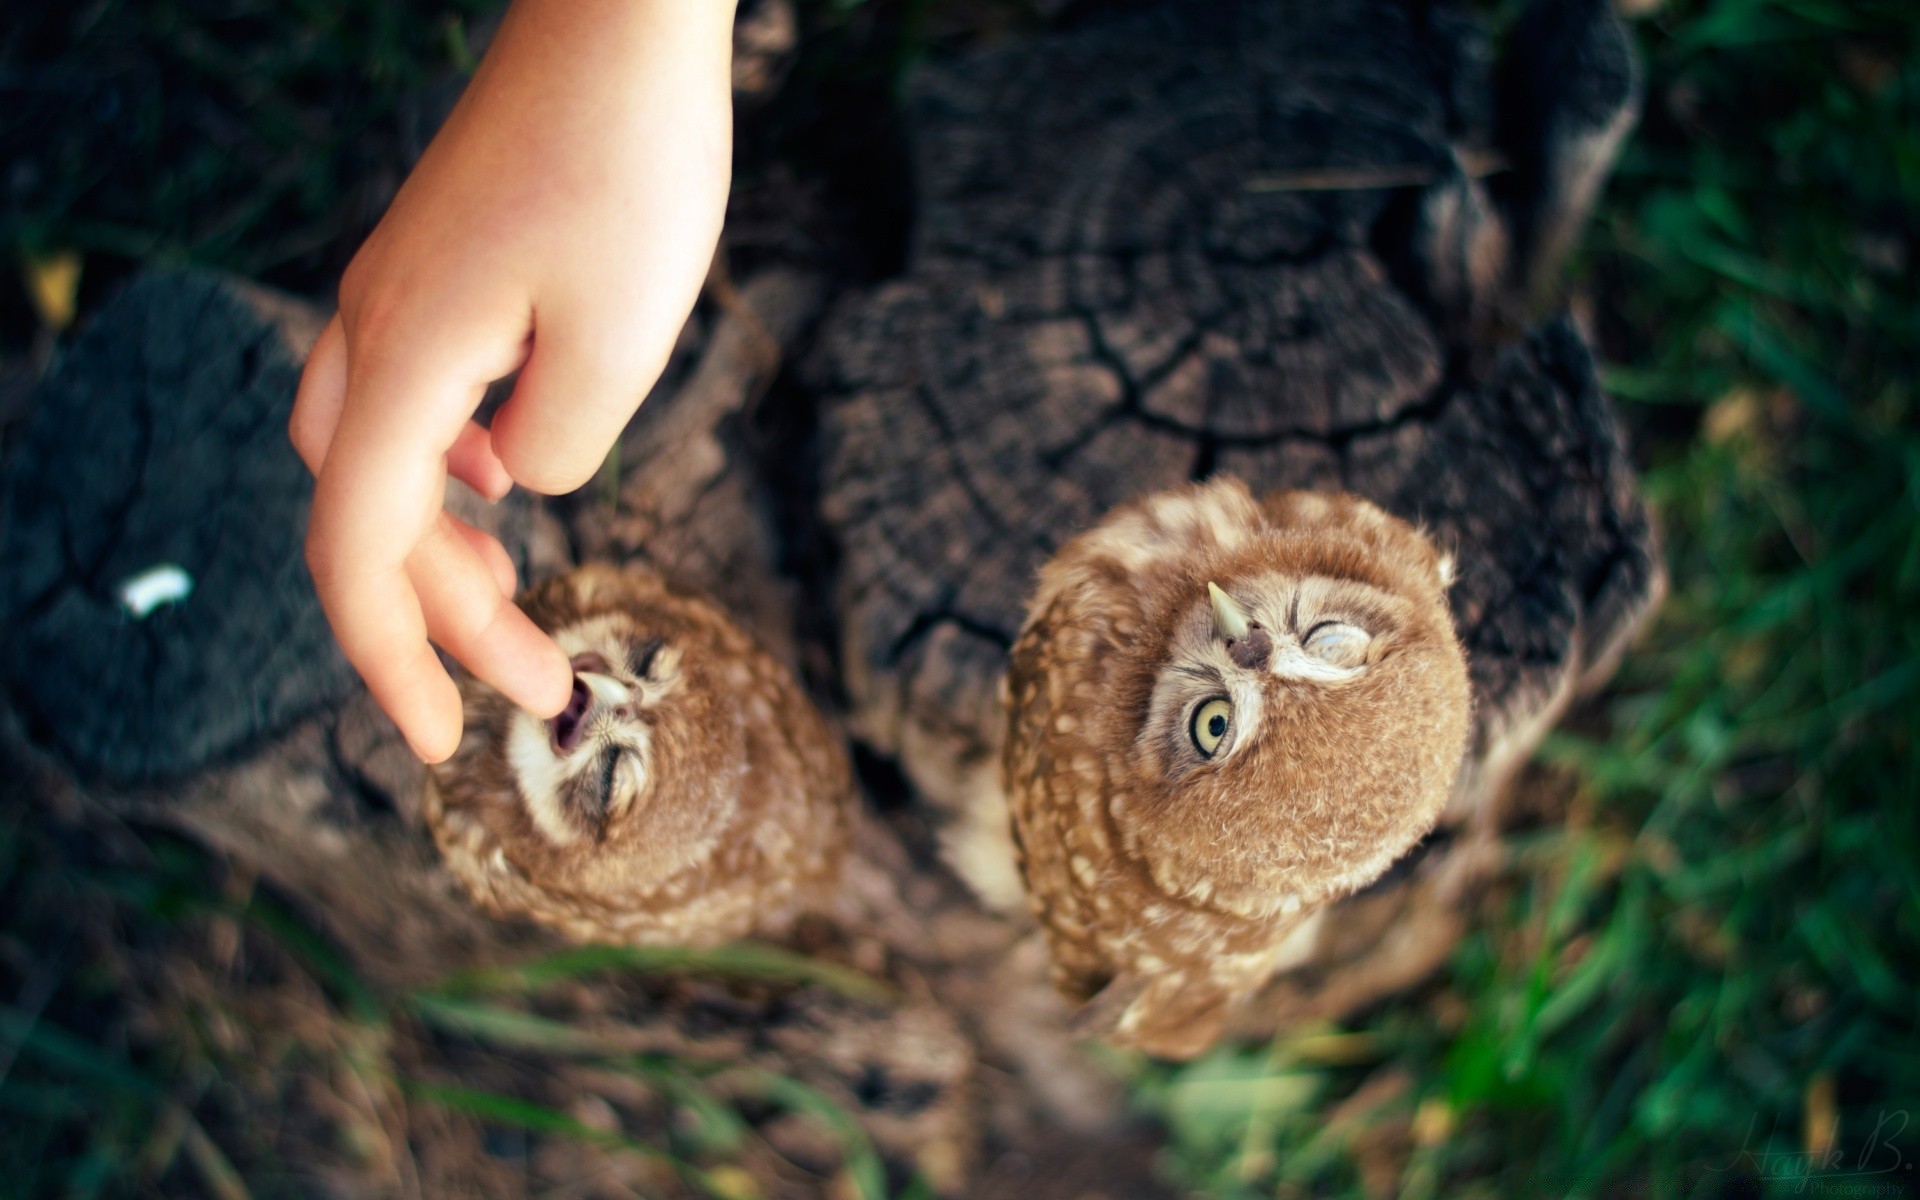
point(713, 805)
point(1170, 878)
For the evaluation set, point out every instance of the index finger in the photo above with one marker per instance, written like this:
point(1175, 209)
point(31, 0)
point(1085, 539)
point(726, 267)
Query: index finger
point(377, 621)
point(378, 494)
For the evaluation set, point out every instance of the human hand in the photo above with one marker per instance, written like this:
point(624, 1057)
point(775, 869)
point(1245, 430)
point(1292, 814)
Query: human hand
point(563, 219)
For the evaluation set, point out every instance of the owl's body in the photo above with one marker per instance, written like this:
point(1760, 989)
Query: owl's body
point(1223, 714)
point(689, 795)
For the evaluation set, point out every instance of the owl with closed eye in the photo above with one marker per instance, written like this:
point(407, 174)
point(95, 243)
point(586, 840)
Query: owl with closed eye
point(1223, 714)
point(689, 793)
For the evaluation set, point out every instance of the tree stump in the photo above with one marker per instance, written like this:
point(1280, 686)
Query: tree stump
point(1291, 241)
point(159, 439)
point(158, 443)
point(1286, 241)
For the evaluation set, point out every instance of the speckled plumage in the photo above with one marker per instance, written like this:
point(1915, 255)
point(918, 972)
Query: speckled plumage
point(711, 803)
point(1170, 879)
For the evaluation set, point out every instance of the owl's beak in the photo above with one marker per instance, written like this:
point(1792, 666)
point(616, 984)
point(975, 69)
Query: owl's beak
point(1230, 621)
point(606, 689)
point(1247, 643)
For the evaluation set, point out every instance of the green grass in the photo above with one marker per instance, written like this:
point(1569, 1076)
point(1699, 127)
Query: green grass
point(1702, 965)
point(1713, 966)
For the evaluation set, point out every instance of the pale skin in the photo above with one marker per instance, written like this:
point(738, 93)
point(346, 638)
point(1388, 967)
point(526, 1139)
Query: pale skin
point(561, 222)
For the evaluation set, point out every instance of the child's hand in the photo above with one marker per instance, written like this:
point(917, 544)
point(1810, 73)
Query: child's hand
point(564, 217)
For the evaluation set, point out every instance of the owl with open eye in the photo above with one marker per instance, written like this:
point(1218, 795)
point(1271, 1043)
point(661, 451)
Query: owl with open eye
point(1223, 714)
point(689, 794)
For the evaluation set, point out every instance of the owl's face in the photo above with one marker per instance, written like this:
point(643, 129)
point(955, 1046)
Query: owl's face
point(638, 776)
point(1296, 707)
point(593, 765)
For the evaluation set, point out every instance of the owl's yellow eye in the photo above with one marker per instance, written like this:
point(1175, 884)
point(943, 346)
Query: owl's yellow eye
point(1338, 643)
point(1210, 723)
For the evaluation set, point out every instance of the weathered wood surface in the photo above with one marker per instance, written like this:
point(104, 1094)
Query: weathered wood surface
point(1207, 237)
point(104, 491)
point(159, 437)
point(317, 792)
point(1287, 241)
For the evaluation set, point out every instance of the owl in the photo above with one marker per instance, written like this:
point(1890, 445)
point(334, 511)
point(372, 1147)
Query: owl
point(688, 794)
point(1222, 715)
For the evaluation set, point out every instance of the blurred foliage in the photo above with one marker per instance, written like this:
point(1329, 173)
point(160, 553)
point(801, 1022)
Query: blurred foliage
point(263, 136)
point(1706, 979)
point(1699, 975)
point(164, 1013)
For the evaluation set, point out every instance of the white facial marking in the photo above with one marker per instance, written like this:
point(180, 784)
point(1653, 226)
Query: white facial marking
point(1293, 662)
point(543, 775)
point(540, 773)
point(1316, 635)
point(629, 779)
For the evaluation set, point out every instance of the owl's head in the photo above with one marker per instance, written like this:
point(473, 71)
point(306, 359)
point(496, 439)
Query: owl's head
point(1291, 701)
point(638, 777)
